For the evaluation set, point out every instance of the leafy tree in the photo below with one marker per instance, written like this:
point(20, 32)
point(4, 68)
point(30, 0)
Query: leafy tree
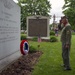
point(33, 7)
point(69, 11)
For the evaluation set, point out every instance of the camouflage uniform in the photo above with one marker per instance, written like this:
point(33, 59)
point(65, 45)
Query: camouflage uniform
point(66, 39)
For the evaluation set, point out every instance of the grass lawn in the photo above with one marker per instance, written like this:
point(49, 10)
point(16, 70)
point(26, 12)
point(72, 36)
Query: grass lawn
point(50, 61)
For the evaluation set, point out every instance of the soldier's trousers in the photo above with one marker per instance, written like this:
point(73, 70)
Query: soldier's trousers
point(65, 55)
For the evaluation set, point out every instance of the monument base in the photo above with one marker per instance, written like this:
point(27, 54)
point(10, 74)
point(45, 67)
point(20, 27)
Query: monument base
point(46, 39)
point(43, 39)
point(7, 60)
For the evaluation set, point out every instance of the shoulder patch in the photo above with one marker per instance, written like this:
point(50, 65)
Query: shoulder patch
point(68, 32)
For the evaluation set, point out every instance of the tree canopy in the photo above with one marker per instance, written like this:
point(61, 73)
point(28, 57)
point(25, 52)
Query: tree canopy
point(33, 7)
point(69, 11)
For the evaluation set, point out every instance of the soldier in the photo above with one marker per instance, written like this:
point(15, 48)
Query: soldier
point(66, 42)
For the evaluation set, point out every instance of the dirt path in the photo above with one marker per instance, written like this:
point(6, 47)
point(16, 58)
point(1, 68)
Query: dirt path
point(23, 66)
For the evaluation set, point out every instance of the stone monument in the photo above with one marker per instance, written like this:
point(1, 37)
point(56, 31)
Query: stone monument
point(38, 26)
point(9, 32)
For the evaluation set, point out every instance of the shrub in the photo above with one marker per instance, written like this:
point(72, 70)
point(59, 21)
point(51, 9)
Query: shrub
point(52, 33)
point(32, 49)
point(53, 39)
point(22, 32)
point(34, 39)
point(23, 37)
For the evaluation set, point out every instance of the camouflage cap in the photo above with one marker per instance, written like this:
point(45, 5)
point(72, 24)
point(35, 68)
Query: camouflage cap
point(64, 17)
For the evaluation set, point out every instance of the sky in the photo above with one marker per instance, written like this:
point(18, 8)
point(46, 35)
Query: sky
point(56, 9)
point(15, 0)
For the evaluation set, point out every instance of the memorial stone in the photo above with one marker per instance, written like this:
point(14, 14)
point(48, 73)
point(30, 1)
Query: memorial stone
point(9, 32)
point(37, 26)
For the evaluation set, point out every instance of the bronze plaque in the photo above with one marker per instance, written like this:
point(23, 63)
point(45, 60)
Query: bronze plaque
point(37, 27)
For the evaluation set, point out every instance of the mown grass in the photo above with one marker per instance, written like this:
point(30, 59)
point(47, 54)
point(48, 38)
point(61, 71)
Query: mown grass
point(51, 59)
point(73, 33)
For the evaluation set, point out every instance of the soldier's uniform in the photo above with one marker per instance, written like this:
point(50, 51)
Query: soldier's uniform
point(66, 39)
